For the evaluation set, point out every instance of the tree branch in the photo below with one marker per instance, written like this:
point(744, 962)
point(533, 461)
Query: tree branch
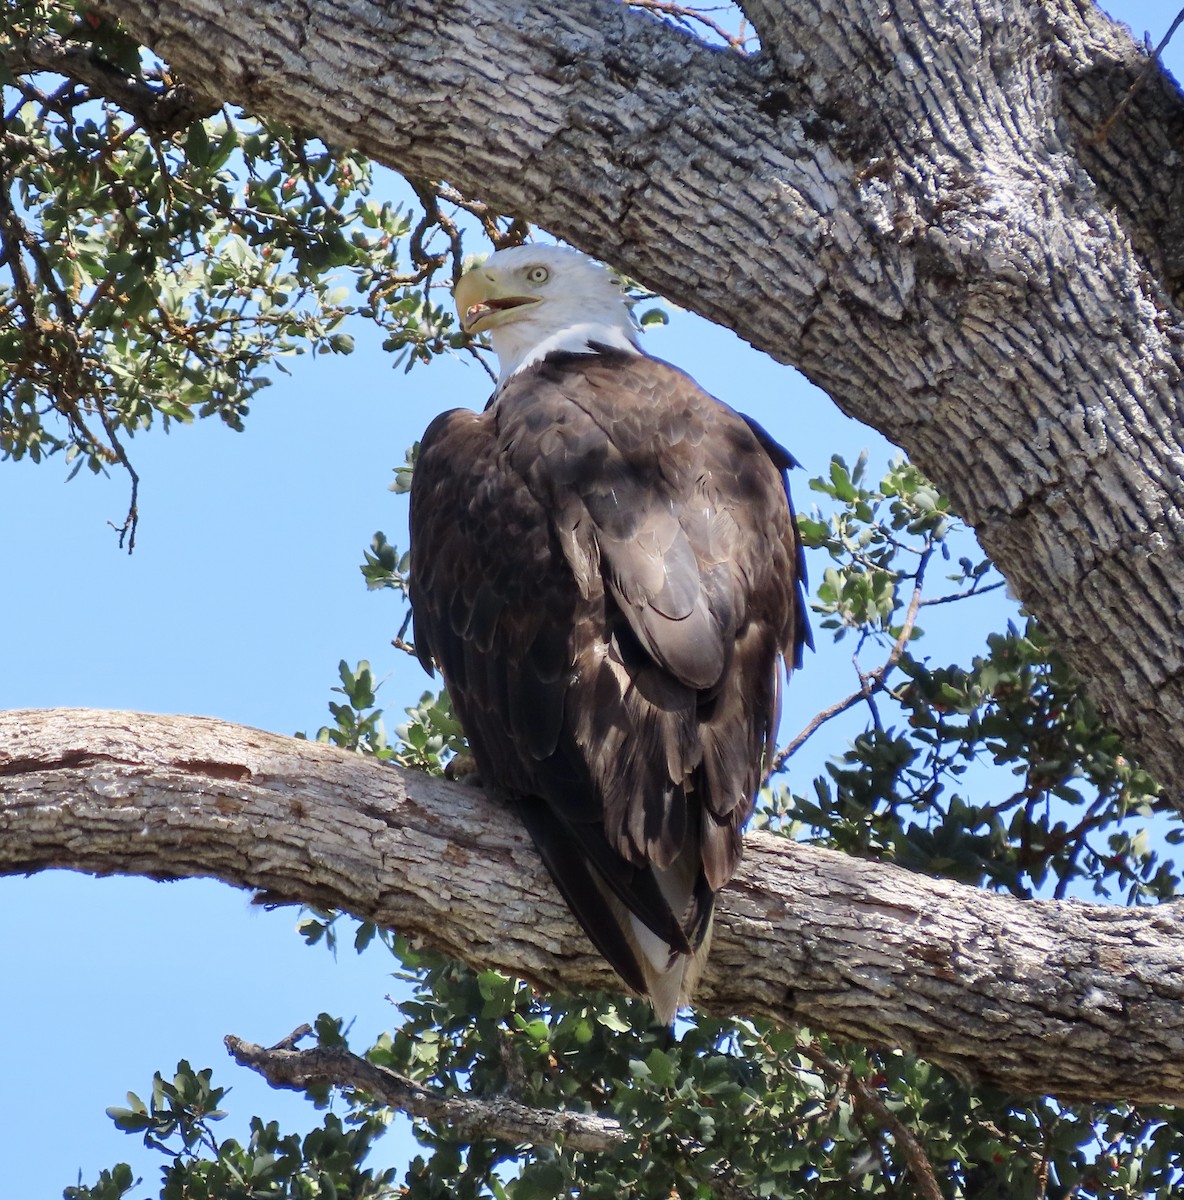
point(471, 1117)
point(907, 209)
point(1076, 1000)
point(871, 683)
point(161, 110)
point(866, 1096)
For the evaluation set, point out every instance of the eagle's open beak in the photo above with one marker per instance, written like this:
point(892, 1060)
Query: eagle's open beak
point(482, 304)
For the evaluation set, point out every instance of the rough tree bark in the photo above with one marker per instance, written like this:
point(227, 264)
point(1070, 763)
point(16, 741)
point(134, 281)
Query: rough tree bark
point(470, 1117)
point(923, 206)
point(1078, 1000)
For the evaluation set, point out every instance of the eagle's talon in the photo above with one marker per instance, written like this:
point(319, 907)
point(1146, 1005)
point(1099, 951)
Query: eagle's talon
point(463, 769)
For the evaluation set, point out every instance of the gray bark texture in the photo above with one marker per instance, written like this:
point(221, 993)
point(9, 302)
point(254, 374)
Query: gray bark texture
point(929, 207)
point(470, 1117)
point(1077, 1000)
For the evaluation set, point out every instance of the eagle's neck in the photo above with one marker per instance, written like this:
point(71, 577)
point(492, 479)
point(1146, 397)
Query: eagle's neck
point(519, 345)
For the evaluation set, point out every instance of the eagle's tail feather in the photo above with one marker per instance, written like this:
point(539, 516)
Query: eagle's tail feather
point(670, 978)
point(580, 885)
point(659, 955)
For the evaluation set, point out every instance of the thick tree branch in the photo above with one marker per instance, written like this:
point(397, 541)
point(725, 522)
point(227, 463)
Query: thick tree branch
point(1072, 999)
point(909, 205)
point(470, 1117)
point(162, 110)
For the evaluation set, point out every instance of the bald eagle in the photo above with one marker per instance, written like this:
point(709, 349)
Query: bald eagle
point(606, 570)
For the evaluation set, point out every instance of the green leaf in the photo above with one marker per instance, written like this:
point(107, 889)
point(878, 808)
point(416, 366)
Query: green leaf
point(197, 144)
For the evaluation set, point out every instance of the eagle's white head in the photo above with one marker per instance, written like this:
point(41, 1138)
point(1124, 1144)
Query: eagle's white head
point(534, 300)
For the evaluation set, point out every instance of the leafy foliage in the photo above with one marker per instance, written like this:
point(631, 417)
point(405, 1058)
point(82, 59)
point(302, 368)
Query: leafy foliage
point(429, 737)
point(872, 537)
point(163, 255)
point(725, 1108)
point(1062, 816)
point(325, 1163)
point(384, 566)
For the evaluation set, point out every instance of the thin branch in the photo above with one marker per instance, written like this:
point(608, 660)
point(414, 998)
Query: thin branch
point(126, 531)
point(816, 723)
point(515, 232)
point(916, 1160)
point(400, 639)
point(1103, 132)
point(871, 683)
point(471, 1117)
point(426, 191)
point(685, 15)
point(162, 110)
point(929, 601)
point(867, 1097)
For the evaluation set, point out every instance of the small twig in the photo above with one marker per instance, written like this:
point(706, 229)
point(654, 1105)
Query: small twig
point(400, 642)
point(514, 234)
point(972, 591)
point(471, 1117)
point(870, 684)
point(1140, 82)
point(916, 1160)
point(126, 531)
point(686, 16)
point(820, 719)
point(427, 193)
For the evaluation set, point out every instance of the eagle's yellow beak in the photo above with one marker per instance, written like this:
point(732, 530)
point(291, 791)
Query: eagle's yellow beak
point(483, 300)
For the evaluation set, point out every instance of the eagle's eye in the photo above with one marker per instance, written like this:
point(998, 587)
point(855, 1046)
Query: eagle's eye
point(537, 275)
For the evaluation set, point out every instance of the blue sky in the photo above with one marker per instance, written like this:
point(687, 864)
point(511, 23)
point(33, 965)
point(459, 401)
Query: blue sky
point(242, 596)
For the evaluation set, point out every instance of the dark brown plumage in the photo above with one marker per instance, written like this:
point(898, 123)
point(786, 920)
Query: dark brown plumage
point(604, 566)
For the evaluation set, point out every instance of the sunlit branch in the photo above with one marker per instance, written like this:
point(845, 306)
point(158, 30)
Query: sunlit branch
point(685, 15)
point(470, 1117)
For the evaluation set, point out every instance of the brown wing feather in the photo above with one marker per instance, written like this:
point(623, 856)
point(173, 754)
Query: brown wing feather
point(605, 568)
